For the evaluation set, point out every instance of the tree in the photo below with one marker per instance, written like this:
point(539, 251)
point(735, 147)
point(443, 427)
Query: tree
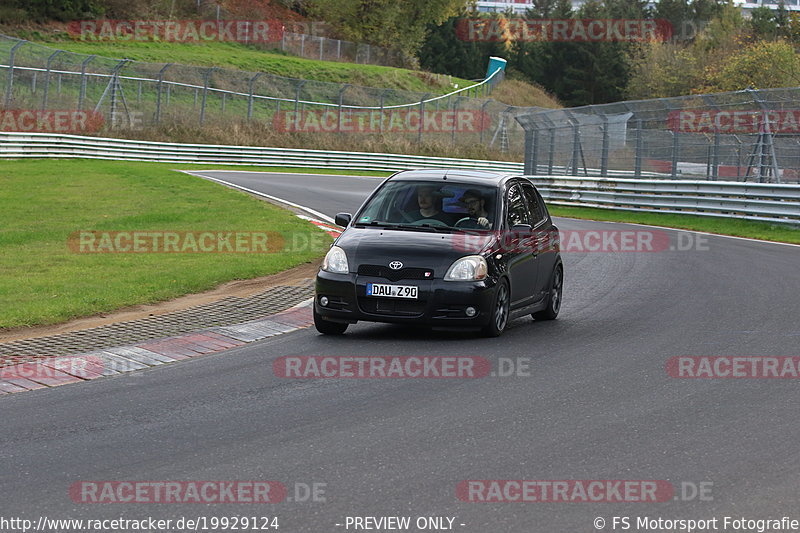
point(660, 70)
point(64, 10)
point(398, 24)
point(445, 53)
point(763, 22)
point(746, 68)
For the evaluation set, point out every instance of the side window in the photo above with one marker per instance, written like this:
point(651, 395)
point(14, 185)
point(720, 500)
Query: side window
point(537, 209)
point(517, 210)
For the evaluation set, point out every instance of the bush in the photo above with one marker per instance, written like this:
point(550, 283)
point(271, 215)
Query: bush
point(760, 65)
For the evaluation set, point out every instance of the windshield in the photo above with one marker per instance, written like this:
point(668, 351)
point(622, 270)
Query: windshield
point(431, 206)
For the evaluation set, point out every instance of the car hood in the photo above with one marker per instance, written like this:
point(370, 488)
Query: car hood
point(415, 249)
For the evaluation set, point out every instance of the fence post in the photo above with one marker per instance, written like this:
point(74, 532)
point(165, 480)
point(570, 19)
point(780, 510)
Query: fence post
point(422, 116)
point(251, 84)
point(484, 123)
point(715, 157)
point(303, 45)
point(206, 82)
point(47, 78)
point(576, 140)
point(604, 153)
point(383, 103)
point(533, 150)
point(321, 47)
point(338, 49)
point(10, 82)
point(675, 148)
point(551, 150)
point(341, 101)
point(455, 122)
point(82, 93)
point(297, 90)
point(637, 164)
point(159, 90)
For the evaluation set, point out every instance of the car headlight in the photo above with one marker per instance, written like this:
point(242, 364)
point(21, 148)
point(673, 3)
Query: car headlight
point(335, 261)
point(469, 268)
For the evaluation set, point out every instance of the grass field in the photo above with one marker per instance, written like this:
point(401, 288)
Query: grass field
point(231, 55)
point(43, 202)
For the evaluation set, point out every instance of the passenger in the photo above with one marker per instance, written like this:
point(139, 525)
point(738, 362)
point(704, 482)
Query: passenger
point(475, 203)
point(429, 199)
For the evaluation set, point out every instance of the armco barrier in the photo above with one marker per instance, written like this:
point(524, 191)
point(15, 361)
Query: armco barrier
point(33, 145)
point(756, 201)
point(734, 199)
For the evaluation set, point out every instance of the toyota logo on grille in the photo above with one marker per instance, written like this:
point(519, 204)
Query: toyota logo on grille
point(395, 265)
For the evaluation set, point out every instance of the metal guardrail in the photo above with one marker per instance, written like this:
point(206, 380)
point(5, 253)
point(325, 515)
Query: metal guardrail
point(755, 201)
point(36, 145)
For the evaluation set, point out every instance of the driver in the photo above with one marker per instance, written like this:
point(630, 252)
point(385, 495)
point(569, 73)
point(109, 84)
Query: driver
point(473, 200)
point(429, 199)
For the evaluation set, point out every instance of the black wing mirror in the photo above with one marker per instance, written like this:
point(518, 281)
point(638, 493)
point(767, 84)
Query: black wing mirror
point(521, 229)
point(343, 219)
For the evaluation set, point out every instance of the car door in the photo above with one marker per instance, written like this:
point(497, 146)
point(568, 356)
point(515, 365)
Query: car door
point(521, 259)
point(542, 238)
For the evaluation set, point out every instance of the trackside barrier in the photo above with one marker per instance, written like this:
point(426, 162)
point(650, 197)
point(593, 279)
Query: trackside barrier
point(755, 201)
point(37, 145)
point(767, 202)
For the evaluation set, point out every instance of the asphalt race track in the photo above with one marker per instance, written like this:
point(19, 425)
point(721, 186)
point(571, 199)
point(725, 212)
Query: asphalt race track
point(595, 404)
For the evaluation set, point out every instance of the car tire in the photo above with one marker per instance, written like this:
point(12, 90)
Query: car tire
point(550, 312)
point(326, 327)
point(500, 312)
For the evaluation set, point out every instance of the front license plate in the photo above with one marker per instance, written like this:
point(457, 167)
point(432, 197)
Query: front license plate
point(392, 291)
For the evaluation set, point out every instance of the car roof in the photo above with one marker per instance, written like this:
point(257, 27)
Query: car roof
point(472, 176)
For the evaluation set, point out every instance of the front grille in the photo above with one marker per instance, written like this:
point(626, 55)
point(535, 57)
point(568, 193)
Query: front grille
point(385, 306)
point(380, 271)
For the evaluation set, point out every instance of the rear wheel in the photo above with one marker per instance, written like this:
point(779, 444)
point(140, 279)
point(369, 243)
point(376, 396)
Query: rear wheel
point(500, 311)
point(553, 297)
point(326, 327)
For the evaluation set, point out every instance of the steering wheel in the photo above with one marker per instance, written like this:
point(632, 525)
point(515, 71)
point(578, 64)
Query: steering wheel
point(468, 223)
point(430, 221)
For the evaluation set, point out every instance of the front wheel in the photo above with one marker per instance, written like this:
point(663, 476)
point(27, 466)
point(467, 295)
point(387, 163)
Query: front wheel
point(553, 297)
point(326, 327)
point(500, 311)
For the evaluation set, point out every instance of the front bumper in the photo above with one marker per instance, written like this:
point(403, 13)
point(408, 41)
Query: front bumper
point(439, 302)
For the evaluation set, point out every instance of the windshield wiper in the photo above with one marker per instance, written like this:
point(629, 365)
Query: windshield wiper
point(414, 227)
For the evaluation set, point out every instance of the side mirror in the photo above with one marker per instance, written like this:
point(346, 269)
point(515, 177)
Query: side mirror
point(522, 229)
point(342, 219)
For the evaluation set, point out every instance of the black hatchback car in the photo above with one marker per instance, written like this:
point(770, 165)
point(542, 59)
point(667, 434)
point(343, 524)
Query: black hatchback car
point(444, 248)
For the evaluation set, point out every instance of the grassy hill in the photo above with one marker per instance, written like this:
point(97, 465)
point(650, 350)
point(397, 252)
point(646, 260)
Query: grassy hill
point(239, 56)
point(249, 58)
